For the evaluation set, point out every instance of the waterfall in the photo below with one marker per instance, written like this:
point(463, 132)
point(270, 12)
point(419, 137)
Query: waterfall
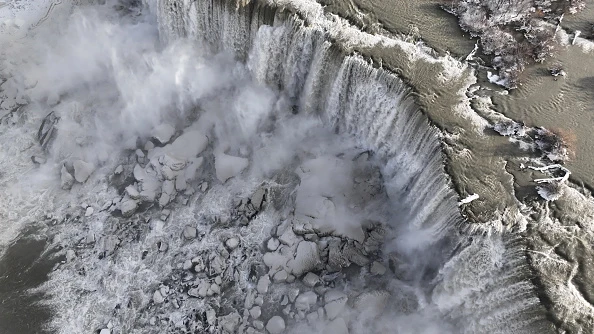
point(483, 283)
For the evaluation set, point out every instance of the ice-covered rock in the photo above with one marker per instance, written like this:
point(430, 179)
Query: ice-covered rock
point(305, 301)
point(311, 280)
point(377, 268)
point(190, 232)
point(157, 297)
point(228, 166)
point(280, 276)
point(275, 325)
point(256, 312)
point(163, 133)
point(66, 179)
point(272, 244)
point(230, 322)
point(128, 206)
point(263, 284)
point(232, 243)
point(82, 170)
point(306, 258)
point(187, 146)
point(335, 302)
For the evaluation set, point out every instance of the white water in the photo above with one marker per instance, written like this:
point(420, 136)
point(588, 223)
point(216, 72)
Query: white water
point(288, 66)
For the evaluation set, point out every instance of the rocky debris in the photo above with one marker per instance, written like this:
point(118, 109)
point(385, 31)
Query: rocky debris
point(275, 325)
point(163, 133)
point(228, 166)
point(82, 170)
point(190, 232)
point(66, 179)
point(48, 130)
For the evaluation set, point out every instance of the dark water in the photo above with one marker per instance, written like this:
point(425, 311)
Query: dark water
point(23, 266)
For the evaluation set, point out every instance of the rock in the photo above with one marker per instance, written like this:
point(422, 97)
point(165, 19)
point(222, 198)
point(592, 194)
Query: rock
point(263, 284)
point(305, 301)
point(293, 293)
point(275, 325)
point(255, 312)
point(259, 301)
point(105, 331)
point(119, 170)
point(89, 211)
point(190, 232)
point(128, 207)
point(163, 133)
point(335, 302)
point(228, 166)
point(204, 186)
point(232, 243)
point(312, 317)
point(82, 170)
point(311, 280)
point(158, 298)
point(377, 268)
point(272, 244)
point(66, 179)
point(139, 154)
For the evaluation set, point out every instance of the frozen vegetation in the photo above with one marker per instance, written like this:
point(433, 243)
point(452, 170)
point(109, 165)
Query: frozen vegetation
point(514, 33)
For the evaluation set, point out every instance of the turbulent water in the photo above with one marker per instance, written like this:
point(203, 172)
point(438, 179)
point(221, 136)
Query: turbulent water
point(246, 167)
